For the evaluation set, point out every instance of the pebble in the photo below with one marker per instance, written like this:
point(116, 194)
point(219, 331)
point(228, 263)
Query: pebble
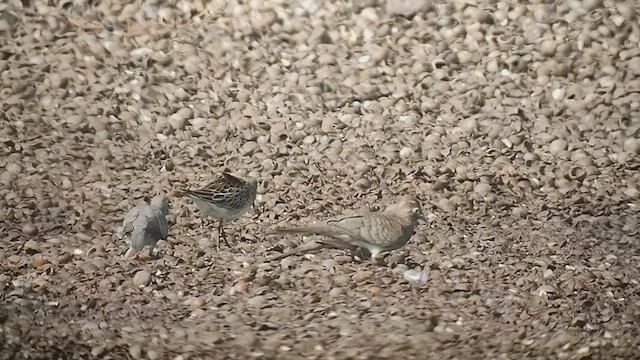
point(135, 351)
point(416, 275)
point(83, 237)
point(246, 339)
point(544, 290)
point(32, 246)
point(335, 292)
point(152, 355)
point(583, 352)
point(468, 124)
point(14, 168)
point(39, 260)
point(97, 350)
point(241, 286)
point(341, 280)
point(482, 189)
point(30, 229)
point(195, 302)
point(557, 146)
point(632, 145)
point(141, 278)
point(405, 7)
point(7, 178)
point(590, 5)
point(374, 290)
point(361, 276)
point(548, 48)
point(256, 301)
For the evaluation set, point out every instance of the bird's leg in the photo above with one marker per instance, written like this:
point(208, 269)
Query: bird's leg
point(359, 254)
point(221, 233)
point(363, 254)
point(374, 256)
point(151, 251)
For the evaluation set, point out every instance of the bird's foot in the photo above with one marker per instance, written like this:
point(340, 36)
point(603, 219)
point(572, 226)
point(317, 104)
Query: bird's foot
point(361, 254)
point(155, 255)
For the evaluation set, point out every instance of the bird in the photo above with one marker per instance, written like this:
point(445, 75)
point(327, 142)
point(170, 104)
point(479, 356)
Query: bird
point(145, 225)
point(377, 232)
point(225, 198)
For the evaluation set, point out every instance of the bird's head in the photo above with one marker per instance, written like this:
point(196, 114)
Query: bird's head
point(161, 202)
point(253, 184)
point(408, 208)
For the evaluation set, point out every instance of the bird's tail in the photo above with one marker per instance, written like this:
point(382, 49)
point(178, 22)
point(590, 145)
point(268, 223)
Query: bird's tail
point(138, 239)
point(184, 191)
point(308, 230)
point(302, 249)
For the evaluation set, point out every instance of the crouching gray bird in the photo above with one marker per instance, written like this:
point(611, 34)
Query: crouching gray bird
point(377, 232)
point(145, 225)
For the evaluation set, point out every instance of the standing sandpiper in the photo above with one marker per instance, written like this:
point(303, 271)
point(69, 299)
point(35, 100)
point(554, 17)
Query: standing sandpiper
point(225, 199)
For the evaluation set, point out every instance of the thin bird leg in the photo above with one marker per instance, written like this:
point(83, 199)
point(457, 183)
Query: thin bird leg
point(360, 253)
point(374, 259)
point(221, 233)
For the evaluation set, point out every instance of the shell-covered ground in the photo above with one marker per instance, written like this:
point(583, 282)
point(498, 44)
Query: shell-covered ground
point(516, 124)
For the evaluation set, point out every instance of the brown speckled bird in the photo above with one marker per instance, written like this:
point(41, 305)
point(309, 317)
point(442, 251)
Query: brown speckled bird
point(225, 198)
point(377, 232)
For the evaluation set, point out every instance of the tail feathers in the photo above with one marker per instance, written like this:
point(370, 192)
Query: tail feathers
point(302, 249)
point(309, 230)
point(316, 245)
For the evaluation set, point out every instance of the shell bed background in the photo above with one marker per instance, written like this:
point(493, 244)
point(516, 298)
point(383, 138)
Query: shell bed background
point(517, 124)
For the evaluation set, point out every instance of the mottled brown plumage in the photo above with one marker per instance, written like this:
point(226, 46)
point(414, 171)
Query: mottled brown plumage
point(225, 198)
point(377, 232)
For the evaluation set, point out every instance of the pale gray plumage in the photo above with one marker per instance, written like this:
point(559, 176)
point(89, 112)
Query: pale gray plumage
point(225, 198)
point(377, 232)
point(145, 225)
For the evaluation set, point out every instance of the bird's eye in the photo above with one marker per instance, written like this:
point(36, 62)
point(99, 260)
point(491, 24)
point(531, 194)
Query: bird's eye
point(415, 210)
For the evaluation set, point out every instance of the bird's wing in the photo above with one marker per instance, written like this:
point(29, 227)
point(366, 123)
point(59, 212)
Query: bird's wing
point(210, 191)
point(389, 232)
point(344, 230)
point(232, 180)
point(128, 223)
point(384, 231)
point(352, 230)
point(157, 226)
point(209, 195)
point(152, 223)
point(148, 226)
point(377, 229)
